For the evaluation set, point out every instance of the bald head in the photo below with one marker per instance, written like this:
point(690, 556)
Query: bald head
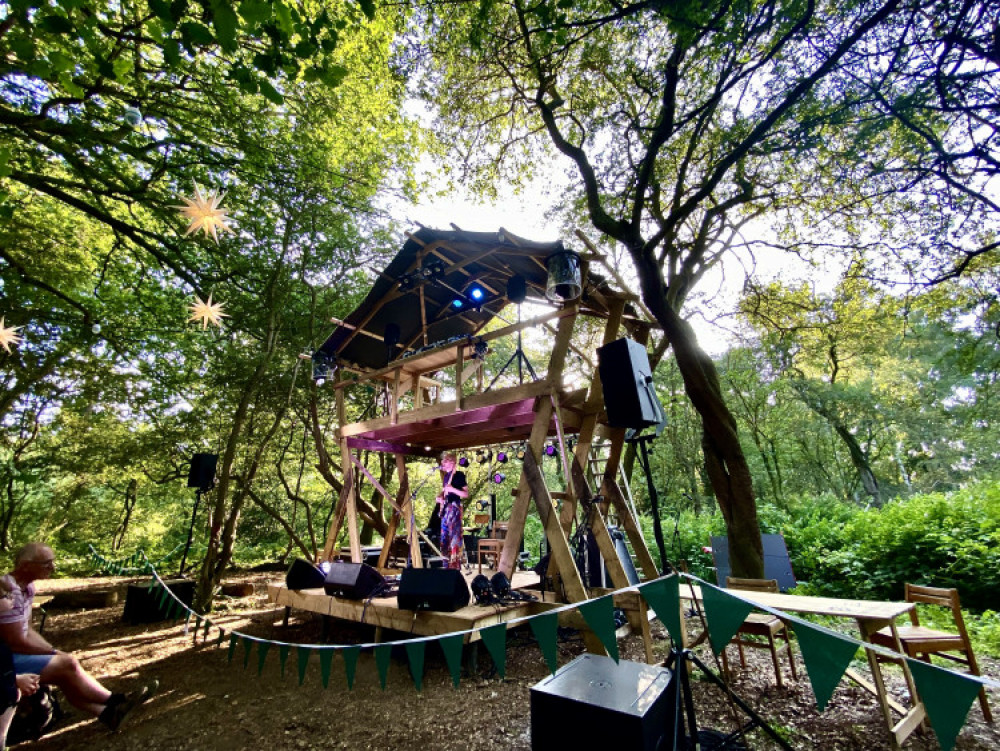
point(34, 561)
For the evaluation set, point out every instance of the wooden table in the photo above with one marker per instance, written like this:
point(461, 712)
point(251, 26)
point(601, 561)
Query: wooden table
point(871, 616)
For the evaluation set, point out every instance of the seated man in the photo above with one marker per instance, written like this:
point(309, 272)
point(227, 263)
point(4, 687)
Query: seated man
point(33, 654)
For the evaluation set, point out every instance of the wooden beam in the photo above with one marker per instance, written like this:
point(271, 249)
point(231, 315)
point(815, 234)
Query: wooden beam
point(613, 493)
point(339, 514)
point(351, 513)
point(558, 544)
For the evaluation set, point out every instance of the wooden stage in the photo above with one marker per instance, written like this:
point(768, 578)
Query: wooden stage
point(383, 612)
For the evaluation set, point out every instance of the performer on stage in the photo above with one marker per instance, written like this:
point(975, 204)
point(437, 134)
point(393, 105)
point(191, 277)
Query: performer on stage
point(450, 505)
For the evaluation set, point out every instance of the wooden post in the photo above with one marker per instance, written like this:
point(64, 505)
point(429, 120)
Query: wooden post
point(409, 522)
point(539, 431)
point(339, 514)
point(351, 512)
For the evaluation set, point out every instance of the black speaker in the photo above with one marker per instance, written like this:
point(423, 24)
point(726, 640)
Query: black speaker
point(202, 472)
point(440, 589)
point(517, 289)
point(303, 575)
point(352, 581)
point(627, 382)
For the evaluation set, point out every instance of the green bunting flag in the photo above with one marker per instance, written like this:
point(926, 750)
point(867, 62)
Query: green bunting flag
point(222, 635)
point(545, 628)
point(247, 646)
point(208, 625)
point(947, 697)
point(383, 653)
point(495, 639)
point(724, 614)
point(415, 653)
point(303, 655)
point(197, 627)
point(262, 648)
point(232, 646)
point(187, 620)
point(826, 656)
point(451, 645)
point(325, 663)
point(663, 596)
point(351, 655)
point(283, 650)
point(600, 616)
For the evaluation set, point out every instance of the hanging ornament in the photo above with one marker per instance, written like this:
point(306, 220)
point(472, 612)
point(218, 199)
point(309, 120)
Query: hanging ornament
point(204, 213)
point(207, 312)
point(9, 336)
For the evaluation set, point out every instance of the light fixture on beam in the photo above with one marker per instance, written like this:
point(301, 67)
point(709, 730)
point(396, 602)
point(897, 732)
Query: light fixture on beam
point(564, 281)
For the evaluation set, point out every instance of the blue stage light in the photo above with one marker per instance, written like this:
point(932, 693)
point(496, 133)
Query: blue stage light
point(477, 293)
point(456, 303)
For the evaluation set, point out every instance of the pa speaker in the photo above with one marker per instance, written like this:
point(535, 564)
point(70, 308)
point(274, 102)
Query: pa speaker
point(627, 382)
point(352, 581)
point(440, 589)
point(303, 575)
point(202, 472)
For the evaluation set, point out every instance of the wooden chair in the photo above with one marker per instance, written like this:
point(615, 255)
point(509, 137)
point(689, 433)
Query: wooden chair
point(760, 625)
point(920, 642)
point(492, 546)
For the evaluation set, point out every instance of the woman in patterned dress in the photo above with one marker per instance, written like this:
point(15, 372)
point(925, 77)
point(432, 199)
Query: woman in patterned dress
point(450, 501)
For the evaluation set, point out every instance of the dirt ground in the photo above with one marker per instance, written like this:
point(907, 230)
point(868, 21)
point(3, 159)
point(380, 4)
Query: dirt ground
point(209, 704)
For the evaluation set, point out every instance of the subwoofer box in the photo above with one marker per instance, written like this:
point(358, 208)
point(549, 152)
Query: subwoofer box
point(440, 589)
point(594, 702)
point(142, 605)
point(304, 575)
point(352, 581)
point(627, 383)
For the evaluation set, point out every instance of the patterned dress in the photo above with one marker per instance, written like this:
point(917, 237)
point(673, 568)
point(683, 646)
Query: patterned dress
point(451, 522)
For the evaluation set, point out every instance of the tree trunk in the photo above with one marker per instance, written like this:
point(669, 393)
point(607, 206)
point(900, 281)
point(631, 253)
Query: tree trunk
point(724, 460)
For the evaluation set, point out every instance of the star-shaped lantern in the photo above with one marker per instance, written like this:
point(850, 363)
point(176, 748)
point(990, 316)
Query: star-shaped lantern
point(207, 312)
point(204, 213)
point(9, 336)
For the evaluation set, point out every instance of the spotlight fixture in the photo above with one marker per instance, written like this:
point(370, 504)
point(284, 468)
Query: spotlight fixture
point(406, 283)
point(502, 457)
point(463, 461)
point(482, 504)
point(320, 367)
point(499, 477)
point(520, 453)
point(476, 293)
point(564, 281)
point(481, 350)
point(433, 269)
point(485, 456)
point(550, 449)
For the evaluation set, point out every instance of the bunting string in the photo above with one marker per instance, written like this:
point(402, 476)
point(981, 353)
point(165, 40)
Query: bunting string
point(947, 695)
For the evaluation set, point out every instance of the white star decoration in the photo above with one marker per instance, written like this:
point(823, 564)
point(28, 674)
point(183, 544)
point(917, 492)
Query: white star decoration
point(207, 312)
point(9, 336)
point(204, 213)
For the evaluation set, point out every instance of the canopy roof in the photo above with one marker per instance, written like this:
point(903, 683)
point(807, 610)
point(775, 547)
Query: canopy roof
point(425, 307)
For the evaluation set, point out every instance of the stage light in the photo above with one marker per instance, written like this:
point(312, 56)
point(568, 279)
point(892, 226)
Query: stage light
point(463, 461)
point(520, 454)
point(456, 303)
point(499, 477)
point(485, 456)
point(502, 457)
point(325, 567)
point(433, 269)
point(320, 367)
point(477, 293)
point(406, 283)
point(564, 281)
point(550, 450)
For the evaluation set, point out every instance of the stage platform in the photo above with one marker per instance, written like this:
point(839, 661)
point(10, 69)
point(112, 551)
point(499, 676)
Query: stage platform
point(383, 612)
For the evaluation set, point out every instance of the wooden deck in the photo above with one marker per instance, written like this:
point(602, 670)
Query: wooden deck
point(383, 612)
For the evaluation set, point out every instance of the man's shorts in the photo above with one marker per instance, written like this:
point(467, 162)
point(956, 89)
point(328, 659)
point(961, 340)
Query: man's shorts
point(30, 663)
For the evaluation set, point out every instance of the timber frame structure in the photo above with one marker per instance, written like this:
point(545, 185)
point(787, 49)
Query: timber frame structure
point(418, 339)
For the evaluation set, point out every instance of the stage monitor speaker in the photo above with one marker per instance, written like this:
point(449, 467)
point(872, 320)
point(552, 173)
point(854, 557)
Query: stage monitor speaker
point(627, 383)
point(594, 702)
point(352, 581)
point(304, 575)
point(202, 472)
point(517, 289)
point(440, 589)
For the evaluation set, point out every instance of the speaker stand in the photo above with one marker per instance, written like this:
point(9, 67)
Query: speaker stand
point(654, 498)
point(520, 357)
point(187, 545)
point(685, 726)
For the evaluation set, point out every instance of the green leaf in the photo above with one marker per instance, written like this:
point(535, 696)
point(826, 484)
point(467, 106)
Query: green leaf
point(177, 10)
point(56, 24)
point(225, 21)
point(172, 53)
point(368, 8)
point(269, 92)
point(121, 67)
point(161, 9)
point(255, 12)
point(283, 14)
point(195, 34)
point(332, 75)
